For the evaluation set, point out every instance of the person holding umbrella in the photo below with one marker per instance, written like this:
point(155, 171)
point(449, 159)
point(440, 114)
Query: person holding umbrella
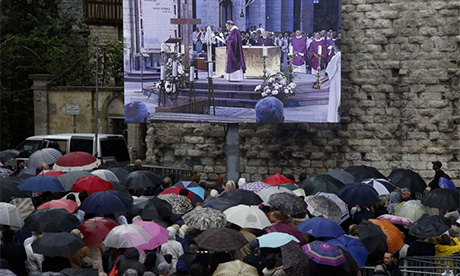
point(434, 184)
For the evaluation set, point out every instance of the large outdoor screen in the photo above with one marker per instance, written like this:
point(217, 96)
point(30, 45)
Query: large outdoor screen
point(248, 61)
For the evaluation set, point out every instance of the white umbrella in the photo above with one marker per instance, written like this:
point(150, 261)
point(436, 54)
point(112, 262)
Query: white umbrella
point(247, 217)
point(127, 235)
point(9, 215)
point(106, 175)
point(342, 205)
point(267, 192)
point(382, 186)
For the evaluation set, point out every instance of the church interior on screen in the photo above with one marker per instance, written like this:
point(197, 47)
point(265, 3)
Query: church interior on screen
point(232, 61)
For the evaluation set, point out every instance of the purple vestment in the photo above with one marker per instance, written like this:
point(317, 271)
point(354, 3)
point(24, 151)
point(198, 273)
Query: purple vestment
point(265, 41)
point(299, 45)
point(235, 57)
point(314, 50)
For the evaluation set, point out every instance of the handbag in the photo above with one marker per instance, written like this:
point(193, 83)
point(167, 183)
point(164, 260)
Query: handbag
point(114, 271)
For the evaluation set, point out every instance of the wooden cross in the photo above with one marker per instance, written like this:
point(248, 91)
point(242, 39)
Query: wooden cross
point(186, 22)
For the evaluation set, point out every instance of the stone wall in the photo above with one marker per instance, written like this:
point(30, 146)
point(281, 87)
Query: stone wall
point(400, 103)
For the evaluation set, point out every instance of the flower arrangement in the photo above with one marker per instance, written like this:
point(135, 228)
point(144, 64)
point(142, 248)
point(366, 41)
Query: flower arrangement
point(277, 86)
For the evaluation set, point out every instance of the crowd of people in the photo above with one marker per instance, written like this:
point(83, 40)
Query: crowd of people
point(181, 255)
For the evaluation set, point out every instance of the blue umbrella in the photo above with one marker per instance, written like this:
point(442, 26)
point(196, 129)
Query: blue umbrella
point(354, 246)
point(197, 190)
point(276, 239)
point(357, 193)
point(42, 183)
point(106, 202)
point(321, 227)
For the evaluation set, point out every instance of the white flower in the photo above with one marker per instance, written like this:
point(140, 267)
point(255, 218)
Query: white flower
point(275, 92)
point(264, 94)
point(271, 79)
point(293, 84)
point(283, 81)
point(157, 85)
point(267, 88)
point(258, 87)
point(180, 69)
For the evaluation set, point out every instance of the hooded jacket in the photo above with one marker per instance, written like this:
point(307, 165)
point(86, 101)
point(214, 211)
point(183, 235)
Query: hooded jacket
point(445, 250)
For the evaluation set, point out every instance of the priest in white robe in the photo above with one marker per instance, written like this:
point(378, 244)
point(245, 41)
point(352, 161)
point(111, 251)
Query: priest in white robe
point(333, 71)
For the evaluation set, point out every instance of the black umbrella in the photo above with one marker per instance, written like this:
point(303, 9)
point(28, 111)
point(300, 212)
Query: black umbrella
point(289, 203)
point(218, 203)
point(120, 172)
point(373, 238)
point(357, 193)
point(56, 244)
point(342, 176)
point(429, 226)
point(442, 199)
point(242, 197)
point(51, 220)
point(220, 239)
point(9, 189)
point(151, 209)
point(122, 190)
point(348, 268)
point(141, 179)
point(362, 172)
point(407, 179)
point(8, 154)
point(80, 272)
point(321, 183)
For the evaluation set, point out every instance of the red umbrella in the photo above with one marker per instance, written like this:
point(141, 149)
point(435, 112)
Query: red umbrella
point(91, 184)
point(96, 229)
point(66, 204)
point(176, 190)
point(51, 173)
point(277, 179)
point(76, 161)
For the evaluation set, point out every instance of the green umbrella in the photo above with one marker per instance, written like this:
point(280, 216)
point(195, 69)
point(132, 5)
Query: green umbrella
point(321, 183)
point(290, 186)
point(413, 209)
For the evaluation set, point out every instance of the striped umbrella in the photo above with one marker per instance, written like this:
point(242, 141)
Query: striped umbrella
point(324, 253)
point(382, 186)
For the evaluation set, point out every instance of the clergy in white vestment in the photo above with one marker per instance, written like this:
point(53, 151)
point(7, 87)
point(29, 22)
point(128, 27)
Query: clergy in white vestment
point(333, 71)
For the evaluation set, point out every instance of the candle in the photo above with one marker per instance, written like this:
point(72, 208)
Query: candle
point(174, 69)
point(192, 73)
point(291, 50)
point(320, 50)
point(182, 48)
point(265, 52)
point(162, 72)
point(210, 69)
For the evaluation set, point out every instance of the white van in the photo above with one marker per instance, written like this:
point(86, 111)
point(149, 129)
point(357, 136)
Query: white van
point(111, 148)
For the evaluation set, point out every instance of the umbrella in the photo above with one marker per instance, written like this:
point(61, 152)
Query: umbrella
point(141, 179)
point(194, 198)
point(106, 202)
point(180, 204)
point(127, 235)
point(321, 227)
point(290, 204)
point(220, 239)
point(159, 234)
point(91, 184)
point(46, 155)
point(66, 204)
point(373, 239)
point(5, 172)
point(235, 268)
point(9, 189)
point(442, 199)
point(357, 193)
point(290, 186)
point(79, 272)
point(24, 205)
point(193, 187)
point(94, 230)
point(342, 176)
point(362, 172)
point(342, 205)
point(396, 219)
point(76, 161)
point(429, 226)
point(56, 244)
point(321, 183)
point(412, 209)
point(288, 229)
point(275, 239)
point(354, 246)
point(106, 175)
point(205, 218)
point(295, 263)
point(324, 253)
point(9, 215)
point(8, 154)
point(408, 179)
point(51, 220)
point(41, 183)
point(119, 172)
point(151, 209)
point(277, 179)
point(267, 192)
point(323, 206)
point(242, 197)
point(395, 239)
point(69, 179)
point(247, 217)
point(186, 184)
point(52, 173)
point(218, 203)
point(382, 186)
point(255, 186)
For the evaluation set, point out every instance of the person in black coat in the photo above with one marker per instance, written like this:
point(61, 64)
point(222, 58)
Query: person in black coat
point(14, 253)
point(132, 261)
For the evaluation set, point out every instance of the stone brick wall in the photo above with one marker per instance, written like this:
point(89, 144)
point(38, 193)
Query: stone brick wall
point(400, 103)
point(106, 33)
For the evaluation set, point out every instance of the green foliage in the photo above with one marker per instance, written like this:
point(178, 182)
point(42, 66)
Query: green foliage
point(112, 64)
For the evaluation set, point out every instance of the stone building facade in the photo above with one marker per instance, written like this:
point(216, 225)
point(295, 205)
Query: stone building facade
point(400, 104)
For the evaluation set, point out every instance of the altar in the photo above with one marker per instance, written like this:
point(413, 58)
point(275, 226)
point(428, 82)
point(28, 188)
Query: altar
point(253, 59)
